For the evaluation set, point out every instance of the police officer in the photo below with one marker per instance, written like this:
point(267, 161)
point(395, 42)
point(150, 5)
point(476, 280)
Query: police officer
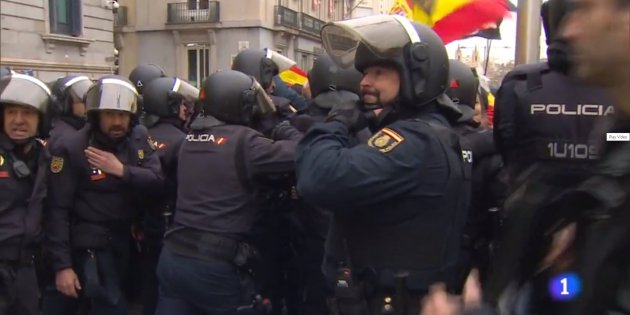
point(488, 186)
point(219, 166)
point(95, 180)
point(543, 119)
point(141, 76)
point(69, 106)
point(258, 63)
point(399, 202)
point(24, 107)
point(274, 228)
point(168, 106)
point(542, 115)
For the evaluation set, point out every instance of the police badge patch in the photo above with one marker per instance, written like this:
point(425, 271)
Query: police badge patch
point(385, 140)
point(56, 164)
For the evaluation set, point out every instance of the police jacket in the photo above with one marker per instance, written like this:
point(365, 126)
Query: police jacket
point(218, 167)
point(399, 201)
point(543, 115)
point(86, 204)
point(21, 199)
point(167, 136)
point(489, 188)
point(64, 126)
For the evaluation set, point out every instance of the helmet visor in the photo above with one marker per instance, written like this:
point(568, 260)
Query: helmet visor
point(186, 90)
point(78, 87)
point(112, 94)
point(384, 35)
point(22, 89)
point(264, 104)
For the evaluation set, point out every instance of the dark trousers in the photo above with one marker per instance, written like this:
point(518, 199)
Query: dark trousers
point(190, 286)
point(19, 292)
point(150, 257)
point(101, 273)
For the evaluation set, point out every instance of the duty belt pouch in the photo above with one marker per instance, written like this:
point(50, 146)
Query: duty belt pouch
point(351, 300)
point(99, 277)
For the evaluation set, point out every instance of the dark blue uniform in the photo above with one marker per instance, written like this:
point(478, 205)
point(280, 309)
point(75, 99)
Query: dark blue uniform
point(62, 127)
point(218, 170)
point(90, 216)
point(21, 208)
point(398, 202)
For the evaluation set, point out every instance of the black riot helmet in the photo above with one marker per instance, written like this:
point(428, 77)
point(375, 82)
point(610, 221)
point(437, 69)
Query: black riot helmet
point(111, 92)
point(463, 84)
point(163, 96)
point(553, 13)
point(327, 76)
point(234, 98)
point(256, 63)
point(143, 74)
point(21, 89)
point(68, 90)
point(415, 50)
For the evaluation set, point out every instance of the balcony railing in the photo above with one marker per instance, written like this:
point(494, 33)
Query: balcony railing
point(311, 24)
point(299, 21)
point(120, 18)
point(287, 17)
point(193, 12)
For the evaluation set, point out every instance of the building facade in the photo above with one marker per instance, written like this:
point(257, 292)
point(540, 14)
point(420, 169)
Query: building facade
point(194, 38)
point(361, 8)
point(53, 38)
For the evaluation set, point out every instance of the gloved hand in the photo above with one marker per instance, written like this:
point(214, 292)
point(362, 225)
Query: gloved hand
point(302, 122)
point(285, 131)
point(348, 113)
point(265, 124)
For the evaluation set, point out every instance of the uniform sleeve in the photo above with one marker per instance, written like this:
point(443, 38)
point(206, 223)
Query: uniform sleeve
point(266, 156)
point(147, 178)
point(504, 116)
point(335, 177)
point(62, 182)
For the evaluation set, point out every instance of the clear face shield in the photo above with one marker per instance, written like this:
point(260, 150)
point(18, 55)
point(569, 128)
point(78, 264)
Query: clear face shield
point(22, 89)
point(77, 88)
point(187, 91)
point(262, 103)
point(113, 94)
point(384, 35)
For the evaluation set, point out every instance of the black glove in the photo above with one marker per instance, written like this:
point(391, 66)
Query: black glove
point(284, 131)
point(265, 124)
point(302, 122)
point(349, 113)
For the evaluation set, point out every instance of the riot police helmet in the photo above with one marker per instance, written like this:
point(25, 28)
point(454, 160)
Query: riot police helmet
point(463, 84)
point(256, 63)
point(24, 90)
point(234, 98)
point(328, 76)
point(68, 90)
point(415, 50)
point(143, 74)
point(163, 96)
point(111, 92)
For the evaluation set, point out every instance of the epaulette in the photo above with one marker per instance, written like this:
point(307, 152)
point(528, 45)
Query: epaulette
point(530, 72)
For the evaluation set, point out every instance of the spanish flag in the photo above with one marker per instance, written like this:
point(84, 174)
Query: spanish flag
point(288, 70)
point(453, 19)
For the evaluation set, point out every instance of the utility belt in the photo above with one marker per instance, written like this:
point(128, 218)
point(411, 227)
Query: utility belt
point(15, 255)
point(210, 247)
point(87, 234)
point(362, 297)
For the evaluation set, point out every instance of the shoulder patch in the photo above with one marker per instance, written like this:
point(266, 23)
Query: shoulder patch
point(56, 164)
point(385, 140)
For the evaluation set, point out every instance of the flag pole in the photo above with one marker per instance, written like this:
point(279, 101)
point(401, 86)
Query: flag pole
point(528, 32)
point(488, 47)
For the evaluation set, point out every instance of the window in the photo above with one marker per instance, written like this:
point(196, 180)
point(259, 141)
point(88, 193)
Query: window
point(65, 17)
point(198, 64)
point(198, 4)
point(304, 62)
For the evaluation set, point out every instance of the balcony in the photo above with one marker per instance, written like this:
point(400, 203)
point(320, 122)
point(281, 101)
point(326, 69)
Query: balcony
point(120, 18)
point(287, 17)
point(311, 24)
point(193, 12)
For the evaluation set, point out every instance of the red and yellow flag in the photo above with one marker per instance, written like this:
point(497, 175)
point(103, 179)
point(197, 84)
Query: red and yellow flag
point(452, 19)
point(288, 70)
